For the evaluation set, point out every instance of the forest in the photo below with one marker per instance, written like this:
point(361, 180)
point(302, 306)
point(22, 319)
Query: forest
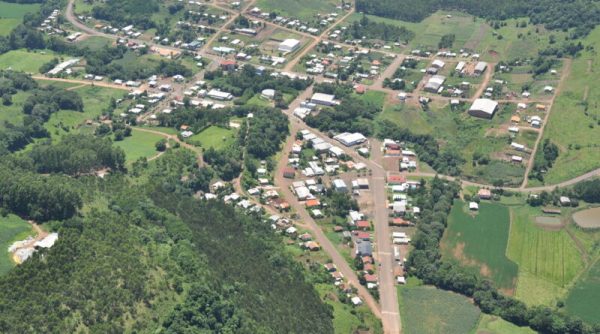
point(582, 15)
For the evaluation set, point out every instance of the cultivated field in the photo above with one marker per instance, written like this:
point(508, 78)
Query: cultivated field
point(478, 241)
point(588, 218)
point(12, 228)
point(429, 310)
point(584, 299)
point(489, 324)
point(11, 15)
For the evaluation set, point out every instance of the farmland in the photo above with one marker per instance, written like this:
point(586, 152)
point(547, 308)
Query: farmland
point(215, 137)
point(584, 298)
point(12, 228)
point(11, 15)
point(429, 310)
point(489, 324)
point(479, 242)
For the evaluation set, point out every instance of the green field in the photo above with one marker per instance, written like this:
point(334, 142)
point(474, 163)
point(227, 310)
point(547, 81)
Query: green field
point(429, 310)
point(215, 137)
point(305, 9)
point(548, 260)
point(479, 242)
point(95, 42)
point(347, 318)
point(13, 113)
point(140, 144)
point(11, 15)
point(489, 324)
point(12, 228)
point(21, 60)
point(573, 124)
point(584, 299)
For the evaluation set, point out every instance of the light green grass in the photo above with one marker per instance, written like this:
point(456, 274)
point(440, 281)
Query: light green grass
point(21, 60)
point(215, 137)
point(478, 241)
point(533, 290)
point(550, 256)
point(257, 100)
point(489, 324)
point(12, 228)
point(346, 318)
point(15, 10)
point(373, 97)
point(13, 113)
point(95, 42)
point(140, 144)
point(305, 9)
point(428, 310)
point(584, 299)
point(7, 25)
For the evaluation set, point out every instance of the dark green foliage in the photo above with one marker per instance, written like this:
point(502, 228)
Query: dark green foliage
point(589, 191)
point(582, 15)
point(121, 13)
point(227, 163)
point(377, 30)
point(76, 154)
point(267, 130)
point(544, 159)
point(446, 41)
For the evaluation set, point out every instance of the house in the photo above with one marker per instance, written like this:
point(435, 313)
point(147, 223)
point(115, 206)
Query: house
point(312, 246)
point(363, 183)
point(480, 67)
point(438, 64)
point(363, 248)
point(363, 225)
point(219, 95)
point(399, 222)
point(340, 186)
point(330, 267)
point(473, 206)
point(565, 201)
point(289, 45)
point(362, 235)
point(228, 65)
point(268, 94)
point(434, 83)
point(517, 146)
point(356, 301)
point(289, 172)
point(483, 108)
point(323, 99)
point(350, 139)
point(516, 159)
point(516, 119)
point(460, 66)
point(302, 193)
point(484, 193)
point(313, 203)
point(396, 179)
point(370, 278)
point(360, 89)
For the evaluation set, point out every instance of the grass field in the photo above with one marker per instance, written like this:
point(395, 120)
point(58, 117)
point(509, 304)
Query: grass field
point(215, 137)
point(489, 324)
point(305, 9)
point(479, 242)
point(584, 299)
point(95, 42)
point(573, 124)
point(429, 310)
point(550, 256)
point(21, 60)
point(11, 15)
point(12, 228)
point(346, 318)
point(140, 144)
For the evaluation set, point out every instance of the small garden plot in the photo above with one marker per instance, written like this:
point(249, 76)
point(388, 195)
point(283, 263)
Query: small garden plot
point(479, 240)
point(429, 310)
point(584, 299)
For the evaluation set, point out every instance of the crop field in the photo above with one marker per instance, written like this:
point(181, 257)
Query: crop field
point(429, 310)
point(12, 228)
point(546, 257)
point(140, 144)
point(21, 60)
point(573, 124)
point(489, 324)
point(479, 242)
point(11, 15)
point(215, 137)
point(306, 9)
point(584, 299)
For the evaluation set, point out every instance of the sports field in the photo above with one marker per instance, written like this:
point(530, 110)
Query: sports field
point(429, 310)
point(584, 299)
point(12, 228)
point(478, 241)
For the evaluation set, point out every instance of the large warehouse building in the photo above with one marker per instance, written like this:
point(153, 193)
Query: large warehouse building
point(483, 108)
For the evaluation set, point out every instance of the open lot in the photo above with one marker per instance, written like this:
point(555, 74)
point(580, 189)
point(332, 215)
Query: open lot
point(11, 15)
point(215, 137)
point(12, 228)
point(478, 241)
point(305, 10)
point(139, 145)
point(429, 310)
point(22, 60)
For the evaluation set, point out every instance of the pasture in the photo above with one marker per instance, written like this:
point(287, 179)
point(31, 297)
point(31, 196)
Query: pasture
point(215, 137)
point(139, 145)
point(12, 228)
point(584, 299)
point(426, 309)
point(11, 15)
point(22, 60)
point(548, 258)
point(306, 9)
point(478, 241)
point(489, 324)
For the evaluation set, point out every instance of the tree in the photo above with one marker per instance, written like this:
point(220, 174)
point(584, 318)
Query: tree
point(161, 145)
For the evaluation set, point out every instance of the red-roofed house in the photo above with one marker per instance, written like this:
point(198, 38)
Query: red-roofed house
point(360, 89)
point(363, 225)
point(396, 179)
point(363, 235)
point(371, 278)
point(228, 65)
point(313, 203)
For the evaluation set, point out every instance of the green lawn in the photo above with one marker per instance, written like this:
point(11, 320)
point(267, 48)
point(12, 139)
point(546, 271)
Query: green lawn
point(257, 100)
point(548, 260)
point(429, 310)
point(478, 241)
point(21, 60)
point(13, 113)
point(489, 324)
point(140, 144)
point(12, 228)
point(584, 299)
point(215, 137)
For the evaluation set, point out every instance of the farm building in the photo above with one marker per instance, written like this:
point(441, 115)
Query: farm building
point(473, 206)
point(460, 66)
point(480, 67)
point(435, 83)
point(323, 99)
point(289, 45)
point(483, 108)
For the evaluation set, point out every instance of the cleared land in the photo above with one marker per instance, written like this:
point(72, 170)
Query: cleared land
point(584, 299)
point(478, 241)
point(12, 228)
point(588, 218)
point(11, 15)
point(346, 318)
point(306, 9)
point(139, 145)
point(489, 324)
point(21, 60)
point(215, 137)
point(429, 310)
point(548, 258)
